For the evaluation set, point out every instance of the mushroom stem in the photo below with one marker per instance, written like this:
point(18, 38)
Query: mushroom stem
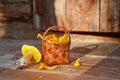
point(24, 61)
point(28, 56)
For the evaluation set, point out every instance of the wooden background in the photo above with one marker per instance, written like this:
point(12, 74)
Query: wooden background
point(16, 19)
point(14, 10)
point(75, 15)
point(83, 15)
point(101, 16)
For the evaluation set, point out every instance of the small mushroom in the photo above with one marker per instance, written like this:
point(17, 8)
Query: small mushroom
point(44, 66)
point(77, 63)
point(30, 55)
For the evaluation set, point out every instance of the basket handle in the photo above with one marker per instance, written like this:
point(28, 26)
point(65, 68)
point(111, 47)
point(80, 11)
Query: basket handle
point(44, 34)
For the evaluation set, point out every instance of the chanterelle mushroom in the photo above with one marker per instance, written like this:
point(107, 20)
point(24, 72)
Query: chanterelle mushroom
point(30, 55)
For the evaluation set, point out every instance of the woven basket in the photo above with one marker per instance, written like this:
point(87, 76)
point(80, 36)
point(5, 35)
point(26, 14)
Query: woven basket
point(55, 53)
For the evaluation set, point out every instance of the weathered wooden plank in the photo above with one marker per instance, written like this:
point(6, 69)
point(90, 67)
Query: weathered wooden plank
point(109, 18)
point(83, 15)
point(60, 11)
point(17, 8)
point(95, 50)
point(93, 38)
point(113, 16)
point(103, 15)
point(49, 17)
point(98, 68)
point(80, 15)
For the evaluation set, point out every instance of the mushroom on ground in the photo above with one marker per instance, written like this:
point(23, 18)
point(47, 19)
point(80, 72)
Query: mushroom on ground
point(44, 66)
point(30, 55)
point(77, 63)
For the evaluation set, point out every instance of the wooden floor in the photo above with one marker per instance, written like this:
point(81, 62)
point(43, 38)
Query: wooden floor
point(99, 61)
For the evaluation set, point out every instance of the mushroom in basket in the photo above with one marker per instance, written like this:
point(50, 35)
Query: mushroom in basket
point(30, 55)
point(52, 38)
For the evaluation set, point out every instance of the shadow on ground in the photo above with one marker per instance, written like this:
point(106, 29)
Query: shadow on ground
point(78, 52)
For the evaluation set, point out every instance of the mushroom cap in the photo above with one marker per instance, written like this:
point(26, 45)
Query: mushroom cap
point(36, 53)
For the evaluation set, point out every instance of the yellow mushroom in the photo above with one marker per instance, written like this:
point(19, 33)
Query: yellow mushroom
point(52, 38)
point(77, 63)
point(64, 38)
point(44, 66)
point(30, 55)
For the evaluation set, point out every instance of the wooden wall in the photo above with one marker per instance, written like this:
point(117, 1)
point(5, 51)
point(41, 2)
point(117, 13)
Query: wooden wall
point(75, 15)
point(110, 16)
point(15, 19)
point(14, 10)
point(83, 15)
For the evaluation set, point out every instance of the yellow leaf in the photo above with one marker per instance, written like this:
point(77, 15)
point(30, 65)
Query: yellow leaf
point(44, 66)
point(77, 63)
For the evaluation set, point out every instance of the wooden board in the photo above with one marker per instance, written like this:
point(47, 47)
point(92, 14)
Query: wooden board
point(99, 61)
point(109, 16)
point(83, 15)
point(77, 15)
point(12, 9)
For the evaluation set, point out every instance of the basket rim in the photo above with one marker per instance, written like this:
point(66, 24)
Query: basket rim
point(51, 27)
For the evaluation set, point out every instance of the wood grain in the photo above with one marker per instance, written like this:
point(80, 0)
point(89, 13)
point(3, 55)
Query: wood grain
point(91, 68)
point(84, 15)
point(12, 9)
point(109, 16)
